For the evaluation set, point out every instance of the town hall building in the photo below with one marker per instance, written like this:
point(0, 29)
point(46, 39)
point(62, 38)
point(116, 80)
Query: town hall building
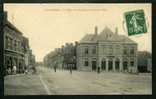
point(108, 51)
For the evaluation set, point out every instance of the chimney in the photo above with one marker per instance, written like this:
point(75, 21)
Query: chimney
point(116, 30)
point(96, 30)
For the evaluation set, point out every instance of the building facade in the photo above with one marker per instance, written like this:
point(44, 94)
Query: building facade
point(54, 59)
point(144, 61)
point(107, 51)
point(69, 56)
point(62, 58)
point(16, 47)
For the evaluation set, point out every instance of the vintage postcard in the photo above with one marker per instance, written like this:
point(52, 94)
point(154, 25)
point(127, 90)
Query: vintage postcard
point(78, 49)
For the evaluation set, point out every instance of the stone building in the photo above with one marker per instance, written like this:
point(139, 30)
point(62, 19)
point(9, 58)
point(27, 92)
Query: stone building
point(62, 58)
point(53, 59)
point(108, 51)
point(16, 47)
point(144, 61)
point(69, 55)
point(31, 59)
point(149, 65)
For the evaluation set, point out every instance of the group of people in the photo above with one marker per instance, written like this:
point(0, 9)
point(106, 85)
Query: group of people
point(70, 68)
point(13, 70)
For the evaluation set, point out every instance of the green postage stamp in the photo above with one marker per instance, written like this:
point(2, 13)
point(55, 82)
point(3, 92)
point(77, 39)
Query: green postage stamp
point(135, 22)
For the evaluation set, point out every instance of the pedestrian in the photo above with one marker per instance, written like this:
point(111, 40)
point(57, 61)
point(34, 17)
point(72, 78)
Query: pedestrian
point(14, 69)
point(55, 68)
point(9, 71)
point(26, 70)
point(34, 69)
point(70, 69)
point(98, 70)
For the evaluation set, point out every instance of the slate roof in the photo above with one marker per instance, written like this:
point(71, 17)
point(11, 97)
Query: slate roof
point(11, 26)
point(105, 36)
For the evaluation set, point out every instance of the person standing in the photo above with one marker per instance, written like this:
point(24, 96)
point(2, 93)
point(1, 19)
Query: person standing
point(14, 69)
point(9, 71)
point(26, 70)
point(34, 70)
point(55, 68)
point(70, 68)
point(98, 70)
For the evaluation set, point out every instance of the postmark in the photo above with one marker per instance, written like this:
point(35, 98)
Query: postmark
point(135, 22)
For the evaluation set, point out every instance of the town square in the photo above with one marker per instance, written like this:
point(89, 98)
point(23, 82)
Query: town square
point(76, 49)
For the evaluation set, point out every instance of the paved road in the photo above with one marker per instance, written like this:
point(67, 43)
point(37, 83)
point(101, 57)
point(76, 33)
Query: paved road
point(48, 82)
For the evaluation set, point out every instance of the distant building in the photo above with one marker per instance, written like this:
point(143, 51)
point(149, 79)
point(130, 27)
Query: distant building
point(62, 58)
point(31, 59)
point(54, 59)
point(108, 51)
point(16, 47)
point(149, 65)
point(144, 61)
point(69, 56)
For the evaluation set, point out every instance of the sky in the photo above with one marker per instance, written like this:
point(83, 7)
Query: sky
point(48, 26)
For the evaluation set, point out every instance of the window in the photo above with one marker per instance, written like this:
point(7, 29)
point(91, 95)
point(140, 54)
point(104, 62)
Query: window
point(11, 43)
point(86, 50)
point(125, 51)
point(94, 50)
point(14, 45)
point(117, 49)
point(6, 42)
point(19, 45)
point(132, 51)
point(86, 63)
point(132, 63)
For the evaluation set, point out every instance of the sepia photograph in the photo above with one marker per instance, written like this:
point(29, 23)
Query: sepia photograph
point(78, 49)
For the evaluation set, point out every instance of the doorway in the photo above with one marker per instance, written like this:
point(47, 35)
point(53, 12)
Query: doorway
point(125, 65)
point(103, 65)
point(117, 65)
point(94, 65)
point(110, 65)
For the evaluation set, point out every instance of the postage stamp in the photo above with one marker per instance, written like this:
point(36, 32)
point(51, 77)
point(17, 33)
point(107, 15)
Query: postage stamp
point(135, 22)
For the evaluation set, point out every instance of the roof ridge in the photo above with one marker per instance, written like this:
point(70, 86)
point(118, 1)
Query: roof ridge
point(8, 23)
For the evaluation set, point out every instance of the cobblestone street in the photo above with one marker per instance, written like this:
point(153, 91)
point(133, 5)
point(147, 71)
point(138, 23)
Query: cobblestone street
point(61, 82)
